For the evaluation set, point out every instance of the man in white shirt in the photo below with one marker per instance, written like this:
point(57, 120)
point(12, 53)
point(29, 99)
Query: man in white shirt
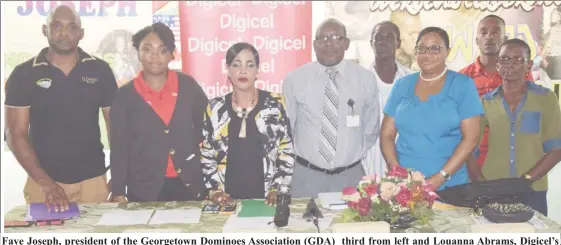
point(332, 104)
point(385, 41)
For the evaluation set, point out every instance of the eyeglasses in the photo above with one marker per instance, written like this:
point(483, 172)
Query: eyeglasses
point(511, 60)
point(434, 49)
point(335, 39)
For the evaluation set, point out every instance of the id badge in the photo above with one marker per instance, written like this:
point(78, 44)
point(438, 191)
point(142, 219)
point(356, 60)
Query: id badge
point(353, 121)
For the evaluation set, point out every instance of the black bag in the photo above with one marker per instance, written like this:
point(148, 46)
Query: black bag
point(479, 194)
point(507, 213)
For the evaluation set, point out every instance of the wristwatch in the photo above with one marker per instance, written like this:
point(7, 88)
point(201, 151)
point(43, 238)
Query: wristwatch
point(445, 175)
point(528, 177)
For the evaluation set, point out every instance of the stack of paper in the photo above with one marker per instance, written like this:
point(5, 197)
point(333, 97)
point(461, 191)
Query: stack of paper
point(266, 224)
point(125, 217)
point(143, 217)
point(332, 200)
point(39, 211)
point(176, 216)
point(235, 223)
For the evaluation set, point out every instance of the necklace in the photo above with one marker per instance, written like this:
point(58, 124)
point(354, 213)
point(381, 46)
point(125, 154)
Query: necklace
point(434, 78)
point(243, 112)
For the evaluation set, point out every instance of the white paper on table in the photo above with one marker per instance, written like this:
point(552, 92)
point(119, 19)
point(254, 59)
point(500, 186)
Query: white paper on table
point(332, 200)
point(171, 230)
point(125, 217)
point(535, 221)
point(235, 223)
point(261, 224)
point(176, 216)
point(296, 221)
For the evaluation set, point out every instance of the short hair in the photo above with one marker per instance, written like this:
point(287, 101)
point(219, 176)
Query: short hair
point(441, 32)
point(392, 25)
point(72, 10)
point(521, 43)
point(333, 21)
point(238, 48)
point(501, 20)
point(163, 32)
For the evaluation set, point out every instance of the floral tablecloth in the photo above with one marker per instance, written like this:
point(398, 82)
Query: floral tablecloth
point(446, 221)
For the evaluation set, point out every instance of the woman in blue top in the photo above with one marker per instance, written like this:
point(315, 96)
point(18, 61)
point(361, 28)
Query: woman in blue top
point(436, 114)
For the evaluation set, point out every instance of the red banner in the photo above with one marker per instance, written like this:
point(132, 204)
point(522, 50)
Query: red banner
point(280, 31)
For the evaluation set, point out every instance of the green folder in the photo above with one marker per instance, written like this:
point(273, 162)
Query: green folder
point(256, 208)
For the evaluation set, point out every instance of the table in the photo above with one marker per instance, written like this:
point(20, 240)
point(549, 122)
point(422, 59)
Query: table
point(456, 220)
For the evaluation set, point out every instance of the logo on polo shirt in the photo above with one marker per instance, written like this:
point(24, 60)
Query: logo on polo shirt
point(90, 80)
point(44, 83)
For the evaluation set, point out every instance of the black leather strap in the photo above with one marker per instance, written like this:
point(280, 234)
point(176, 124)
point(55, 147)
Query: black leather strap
point(338, 170)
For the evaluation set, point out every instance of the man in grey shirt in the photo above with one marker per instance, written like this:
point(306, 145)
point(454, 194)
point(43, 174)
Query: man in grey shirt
point(333, 109)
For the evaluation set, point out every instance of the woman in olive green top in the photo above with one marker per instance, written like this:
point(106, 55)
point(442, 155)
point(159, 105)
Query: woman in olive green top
point(524, 126)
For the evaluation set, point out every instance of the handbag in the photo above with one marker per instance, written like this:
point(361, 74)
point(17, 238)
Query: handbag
point(479, 194)
point(507, 213)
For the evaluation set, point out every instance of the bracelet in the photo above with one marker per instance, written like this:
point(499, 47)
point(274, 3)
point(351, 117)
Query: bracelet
point(445, 175)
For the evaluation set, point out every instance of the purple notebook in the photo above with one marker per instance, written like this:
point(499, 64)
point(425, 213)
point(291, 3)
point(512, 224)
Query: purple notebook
point(38, 211)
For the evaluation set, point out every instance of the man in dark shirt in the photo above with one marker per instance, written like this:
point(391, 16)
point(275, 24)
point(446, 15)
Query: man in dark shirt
point(52, 117)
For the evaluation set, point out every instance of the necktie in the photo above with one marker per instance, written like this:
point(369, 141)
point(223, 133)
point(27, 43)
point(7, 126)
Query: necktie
point(330, 119)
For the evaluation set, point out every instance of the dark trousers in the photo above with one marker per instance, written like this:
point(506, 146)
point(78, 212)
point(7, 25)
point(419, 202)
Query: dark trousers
point(173, 190)
point(538, 201)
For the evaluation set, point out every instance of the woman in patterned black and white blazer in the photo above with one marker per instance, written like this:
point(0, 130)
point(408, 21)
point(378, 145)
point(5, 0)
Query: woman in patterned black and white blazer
point(247, 147)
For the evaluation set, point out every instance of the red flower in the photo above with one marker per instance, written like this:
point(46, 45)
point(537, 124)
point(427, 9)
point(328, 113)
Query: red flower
point(430, 197)
point(364, 205)
point(371, 189)
point(398, 172)
point(353, 205)
point(349, 190)
point(403, 197)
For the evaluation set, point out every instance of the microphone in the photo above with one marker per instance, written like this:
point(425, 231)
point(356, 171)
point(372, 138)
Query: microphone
point(283, 210)
point(312, 213)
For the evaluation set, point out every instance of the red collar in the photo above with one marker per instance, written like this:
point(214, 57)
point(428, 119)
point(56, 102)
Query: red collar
point(142, 86)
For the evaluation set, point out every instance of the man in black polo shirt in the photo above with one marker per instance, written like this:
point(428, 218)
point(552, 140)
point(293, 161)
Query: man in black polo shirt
point(52, 117)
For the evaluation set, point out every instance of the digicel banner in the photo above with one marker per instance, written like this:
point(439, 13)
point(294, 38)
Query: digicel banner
point(281, 32)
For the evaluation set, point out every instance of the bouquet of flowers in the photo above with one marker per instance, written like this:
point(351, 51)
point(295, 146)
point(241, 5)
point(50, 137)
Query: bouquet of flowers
point(403, 192)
